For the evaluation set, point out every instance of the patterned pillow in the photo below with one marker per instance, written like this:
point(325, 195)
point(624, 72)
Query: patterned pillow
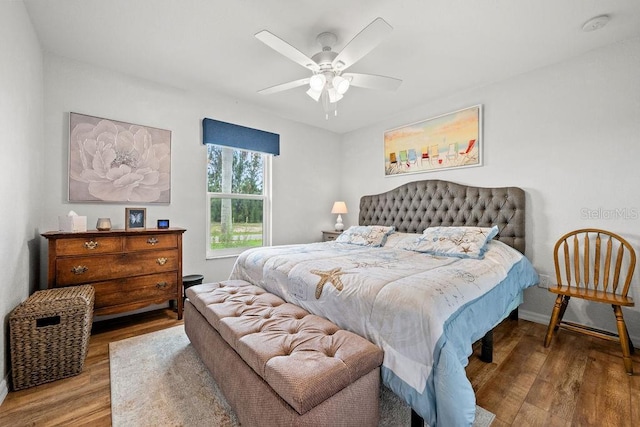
point(365, 235)
point(460, 242)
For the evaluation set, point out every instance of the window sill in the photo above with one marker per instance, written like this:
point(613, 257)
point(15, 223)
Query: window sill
point(221, 256)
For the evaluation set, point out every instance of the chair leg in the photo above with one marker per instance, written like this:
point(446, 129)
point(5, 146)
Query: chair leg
point(559, 306)
point(624, 339)
point(563, 308)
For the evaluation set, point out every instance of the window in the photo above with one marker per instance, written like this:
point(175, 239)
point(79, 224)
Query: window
point(238, 200)
point(238, 186)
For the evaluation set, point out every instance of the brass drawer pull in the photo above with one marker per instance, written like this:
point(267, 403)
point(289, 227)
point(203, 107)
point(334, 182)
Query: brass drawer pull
point(79, 269)
point(162, 261)
point(161, 285)
point(91, 244)
point(152, 241)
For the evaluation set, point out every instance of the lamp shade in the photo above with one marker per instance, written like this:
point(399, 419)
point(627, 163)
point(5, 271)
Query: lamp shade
point(339, 208)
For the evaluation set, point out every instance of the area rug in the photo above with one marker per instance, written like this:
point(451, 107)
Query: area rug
point(158, 379)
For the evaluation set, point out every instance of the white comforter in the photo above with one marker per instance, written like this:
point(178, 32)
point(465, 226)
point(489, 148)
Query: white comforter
point(401, 300)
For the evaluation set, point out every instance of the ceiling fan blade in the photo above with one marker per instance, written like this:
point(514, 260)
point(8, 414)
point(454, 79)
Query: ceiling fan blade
point(371, 81)
point(362, 43)
point(284, 48)
point(284, 86)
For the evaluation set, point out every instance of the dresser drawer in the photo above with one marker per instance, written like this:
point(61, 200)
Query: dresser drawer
point(127, 291)
point(153, 241)
point(88, 246)
point(87, 269)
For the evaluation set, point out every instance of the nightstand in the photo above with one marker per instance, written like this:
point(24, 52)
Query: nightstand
point(328, 236)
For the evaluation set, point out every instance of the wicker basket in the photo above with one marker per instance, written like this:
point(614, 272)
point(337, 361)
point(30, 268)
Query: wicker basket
point(49, 335)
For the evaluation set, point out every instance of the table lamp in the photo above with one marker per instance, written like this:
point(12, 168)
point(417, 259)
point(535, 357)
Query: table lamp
point(339, 208)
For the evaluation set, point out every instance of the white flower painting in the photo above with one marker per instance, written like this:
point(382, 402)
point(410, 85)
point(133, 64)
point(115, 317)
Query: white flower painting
point(111, 161)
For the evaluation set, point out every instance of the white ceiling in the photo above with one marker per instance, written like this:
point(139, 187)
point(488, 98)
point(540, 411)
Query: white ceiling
point(437, 47)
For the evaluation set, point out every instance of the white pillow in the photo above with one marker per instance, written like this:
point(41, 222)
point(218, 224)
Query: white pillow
point(459, 242)
point(365, 235)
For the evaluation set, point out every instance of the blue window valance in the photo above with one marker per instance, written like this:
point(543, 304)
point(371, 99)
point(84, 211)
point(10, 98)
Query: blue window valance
point(236, 136)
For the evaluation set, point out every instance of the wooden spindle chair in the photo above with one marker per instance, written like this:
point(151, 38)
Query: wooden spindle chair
point(601, 274)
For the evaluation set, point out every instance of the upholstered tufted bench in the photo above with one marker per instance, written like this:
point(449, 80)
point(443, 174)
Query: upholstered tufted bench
point(278, 365)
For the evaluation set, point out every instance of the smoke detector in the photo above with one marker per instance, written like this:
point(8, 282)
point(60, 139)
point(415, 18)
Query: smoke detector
point(595, 23)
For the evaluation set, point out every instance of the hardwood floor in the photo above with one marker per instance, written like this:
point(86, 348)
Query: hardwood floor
point(578, 381)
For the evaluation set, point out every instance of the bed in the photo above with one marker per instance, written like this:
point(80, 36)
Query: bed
point(423, 305)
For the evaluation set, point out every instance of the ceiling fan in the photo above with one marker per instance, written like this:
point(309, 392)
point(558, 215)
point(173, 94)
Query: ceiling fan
point(328, 82)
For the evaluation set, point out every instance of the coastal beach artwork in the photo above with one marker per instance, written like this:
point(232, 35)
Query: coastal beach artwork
point(451, 140)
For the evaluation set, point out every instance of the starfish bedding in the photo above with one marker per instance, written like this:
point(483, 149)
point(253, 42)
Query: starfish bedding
point(423, 305)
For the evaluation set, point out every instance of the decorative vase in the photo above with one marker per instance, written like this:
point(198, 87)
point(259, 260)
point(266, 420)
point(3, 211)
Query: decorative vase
point(104, 224)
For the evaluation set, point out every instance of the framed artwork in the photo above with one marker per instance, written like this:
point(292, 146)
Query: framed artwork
point(452, 140)
point(112, 161)
point(135, 218)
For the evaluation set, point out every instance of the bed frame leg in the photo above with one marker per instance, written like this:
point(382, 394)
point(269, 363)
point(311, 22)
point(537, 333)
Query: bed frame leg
point(416, 420)
point(486, 354)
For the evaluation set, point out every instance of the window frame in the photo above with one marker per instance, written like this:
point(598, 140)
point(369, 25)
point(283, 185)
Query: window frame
point(265, 197)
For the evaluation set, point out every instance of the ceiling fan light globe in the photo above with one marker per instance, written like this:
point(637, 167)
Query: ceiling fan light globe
point(317, 82)
point(334, 96)
point(340, 84)
point(315, 94)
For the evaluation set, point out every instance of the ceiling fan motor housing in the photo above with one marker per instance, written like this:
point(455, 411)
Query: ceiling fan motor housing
point(324, 59)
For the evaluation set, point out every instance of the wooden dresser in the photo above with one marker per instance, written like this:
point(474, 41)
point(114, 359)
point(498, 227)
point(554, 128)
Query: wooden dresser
point(128, 269)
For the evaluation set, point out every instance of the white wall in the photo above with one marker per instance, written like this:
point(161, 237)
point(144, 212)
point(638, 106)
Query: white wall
point(21, 164)
point(304, 186)
point(568, 134)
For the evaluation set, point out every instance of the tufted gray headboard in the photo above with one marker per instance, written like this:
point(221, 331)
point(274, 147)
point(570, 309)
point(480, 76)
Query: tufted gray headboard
point(414, 206)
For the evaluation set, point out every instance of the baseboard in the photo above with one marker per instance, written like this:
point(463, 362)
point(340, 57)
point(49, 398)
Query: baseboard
point(540, 318)
point(533, 316)
point(4, 389)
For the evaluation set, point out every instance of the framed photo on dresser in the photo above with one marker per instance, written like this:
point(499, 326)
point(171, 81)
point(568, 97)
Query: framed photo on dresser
point(135, 218)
